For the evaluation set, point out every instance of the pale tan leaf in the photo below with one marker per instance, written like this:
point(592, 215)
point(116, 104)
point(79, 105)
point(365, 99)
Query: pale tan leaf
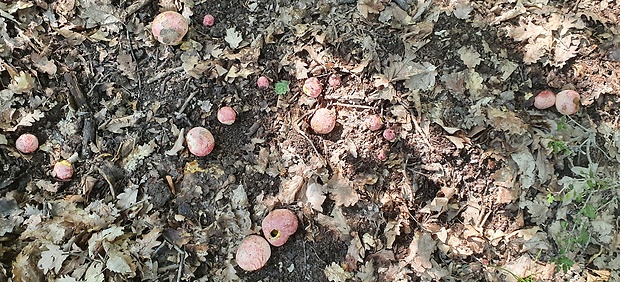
point(420, 250)
point(52, 258)
point(335, 273)
point(469, 56)
point(366, 7)
point(28, 119)
point(119, 262)
point(342, 190)
point(233, 38)
point(43, 64)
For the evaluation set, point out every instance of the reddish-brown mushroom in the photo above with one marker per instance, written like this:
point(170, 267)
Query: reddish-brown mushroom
point(323, 121)
point(169, 27)
point(27, 143)
point(389, 134)
point(253, 253)
point(200, 141)
point(545, 99)
point(567, 102)
point(279, 225)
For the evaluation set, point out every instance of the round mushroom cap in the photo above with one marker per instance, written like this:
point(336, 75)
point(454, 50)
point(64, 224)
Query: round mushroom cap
point(253, 253)
point(200, 141)
point(27, 143)
point(279, 225)
point(567, 102)
point(544, 100)
point(323, 121)
point(169, 27)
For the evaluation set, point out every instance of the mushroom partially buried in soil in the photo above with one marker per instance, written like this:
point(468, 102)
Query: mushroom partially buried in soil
point(567, 102)
point(169, 27)
point(253, 253)
point(545, 99)
point(279, 225)
point(323, 121)
point(200, 141)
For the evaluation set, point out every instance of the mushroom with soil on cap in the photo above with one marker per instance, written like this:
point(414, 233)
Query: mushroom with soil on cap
point(567, 102)
point(169, 27)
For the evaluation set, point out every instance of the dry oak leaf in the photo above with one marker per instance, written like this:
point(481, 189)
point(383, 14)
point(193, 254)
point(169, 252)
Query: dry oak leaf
point(335, 273)
point(342, 190)
point(366, 7)
point(420, 250)
point(52, 258)
point(233, 38)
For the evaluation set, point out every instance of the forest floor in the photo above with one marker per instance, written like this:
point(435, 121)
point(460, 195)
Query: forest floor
point(478, 184)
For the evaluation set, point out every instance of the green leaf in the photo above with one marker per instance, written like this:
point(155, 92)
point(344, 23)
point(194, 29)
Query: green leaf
point(589, 211)
point(282, 87)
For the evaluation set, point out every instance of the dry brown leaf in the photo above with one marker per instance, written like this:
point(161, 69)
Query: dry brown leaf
point(336, 222)
point(342, 190)
point(52, 258)
point(420, 250)
point(289, 189)
point(43, 64)
point(366, 7)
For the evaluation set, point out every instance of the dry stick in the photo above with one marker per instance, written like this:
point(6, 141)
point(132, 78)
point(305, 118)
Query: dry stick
point(355, 106)
point(163, 74)
point(135, 60)
point(296, 127)
point(189, 98)
point(181, 256)
point(134, 8)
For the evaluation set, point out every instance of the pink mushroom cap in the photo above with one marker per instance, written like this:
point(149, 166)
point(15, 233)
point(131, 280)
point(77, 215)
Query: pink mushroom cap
point(169, 27)
point(312, 87)
point(567, 102)
point(63, 170)
point(208, 20)
point(27, 143)
point(544, 100)
point(334, 80)
point(226, 115)
point(200, 141)
point(373, 122)
point(262, 82)
point(253, 253)
point(323, 121)
point(389, 134)
point(279, 225)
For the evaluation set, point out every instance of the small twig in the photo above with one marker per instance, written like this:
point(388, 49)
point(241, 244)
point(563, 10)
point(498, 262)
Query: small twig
point(189, 98)
point(355, 106)
point(97, 83)
point(163, 74)
point(133, 55)
point(134, 8)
